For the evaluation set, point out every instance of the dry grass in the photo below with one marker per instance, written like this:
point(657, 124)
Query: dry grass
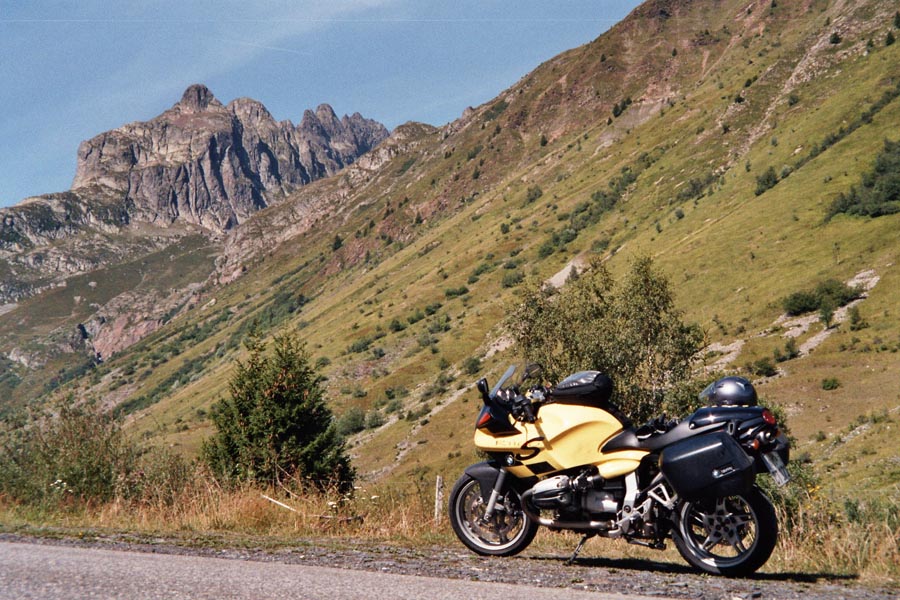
point(204, 507)
point(822, 539)
point(827, 539)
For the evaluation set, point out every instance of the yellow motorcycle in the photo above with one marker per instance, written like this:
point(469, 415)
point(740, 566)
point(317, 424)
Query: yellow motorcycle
point(565, 457)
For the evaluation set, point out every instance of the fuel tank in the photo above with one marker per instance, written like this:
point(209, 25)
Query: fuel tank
point(563, 436)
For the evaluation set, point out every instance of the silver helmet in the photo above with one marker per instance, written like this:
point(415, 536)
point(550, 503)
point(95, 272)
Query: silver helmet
point(729, 391)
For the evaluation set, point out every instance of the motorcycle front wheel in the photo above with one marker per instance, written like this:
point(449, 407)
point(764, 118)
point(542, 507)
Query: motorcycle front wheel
point(507, 532)
point(732, 536)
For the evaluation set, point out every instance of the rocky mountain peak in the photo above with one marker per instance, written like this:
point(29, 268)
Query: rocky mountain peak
point(249, 110)
point(197, 98)
point(325, 114)
point(211, 165)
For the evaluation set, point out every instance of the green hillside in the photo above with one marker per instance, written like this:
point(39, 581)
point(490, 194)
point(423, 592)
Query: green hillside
point(659, 138)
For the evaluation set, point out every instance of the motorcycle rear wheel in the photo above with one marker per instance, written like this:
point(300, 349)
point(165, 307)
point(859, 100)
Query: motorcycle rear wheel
point(731, 536)
point(508, 532)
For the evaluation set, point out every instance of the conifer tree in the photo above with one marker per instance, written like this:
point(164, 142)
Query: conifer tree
point(275, 424)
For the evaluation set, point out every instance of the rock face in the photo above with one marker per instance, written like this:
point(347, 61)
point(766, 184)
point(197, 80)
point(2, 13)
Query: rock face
point(214, 165)
point(144, 185)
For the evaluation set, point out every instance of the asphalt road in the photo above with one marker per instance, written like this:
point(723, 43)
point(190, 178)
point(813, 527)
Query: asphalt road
point(49, 572)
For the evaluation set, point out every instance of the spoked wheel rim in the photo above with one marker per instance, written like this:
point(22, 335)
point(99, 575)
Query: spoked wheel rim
point(504, 529)
point(721, 532)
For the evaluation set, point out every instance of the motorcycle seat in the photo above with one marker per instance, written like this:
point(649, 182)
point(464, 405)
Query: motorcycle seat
point(627, 439)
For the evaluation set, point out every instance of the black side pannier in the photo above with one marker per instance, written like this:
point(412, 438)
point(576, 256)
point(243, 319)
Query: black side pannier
point(711, 465)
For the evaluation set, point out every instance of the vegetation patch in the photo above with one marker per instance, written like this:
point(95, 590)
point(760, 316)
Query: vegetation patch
point(828, 294)
point(878, 193)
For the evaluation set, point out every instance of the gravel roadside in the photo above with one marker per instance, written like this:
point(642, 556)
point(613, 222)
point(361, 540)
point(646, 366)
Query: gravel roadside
point(624, 576)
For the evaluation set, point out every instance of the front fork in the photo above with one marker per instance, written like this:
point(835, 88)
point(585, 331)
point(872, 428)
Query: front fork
point(495, 495)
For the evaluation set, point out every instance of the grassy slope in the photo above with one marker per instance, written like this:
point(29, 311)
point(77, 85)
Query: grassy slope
point(731, 256)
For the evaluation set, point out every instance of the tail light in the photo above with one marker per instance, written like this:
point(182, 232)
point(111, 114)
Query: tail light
point(768, 417)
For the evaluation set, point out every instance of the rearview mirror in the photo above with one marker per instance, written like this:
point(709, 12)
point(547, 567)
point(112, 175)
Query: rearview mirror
point(482, 386)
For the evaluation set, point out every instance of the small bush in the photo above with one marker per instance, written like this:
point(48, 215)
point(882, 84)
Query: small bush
point(533, 193)
point(78, 456)
point(454, 292)
point(472, 365)
point(374, 420)
point(360, 345)
point(857, 322)
point(830, 384)
point(791, 351)
point(878, 193)
point(828, 294)
point(512, 279)
point(352, 421)
point(766, 181)
point(764, 368)
point(799, 303)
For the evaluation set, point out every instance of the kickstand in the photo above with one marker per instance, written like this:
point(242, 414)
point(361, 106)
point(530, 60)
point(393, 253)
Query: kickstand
point(578, 548)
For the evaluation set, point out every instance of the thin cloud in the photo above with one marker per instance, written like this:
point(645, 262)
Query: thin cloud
point(264, 46)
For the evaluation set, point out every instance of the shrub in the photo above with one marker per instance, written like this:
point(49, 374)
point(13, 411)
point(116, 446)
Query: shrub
point(791, 351)
point(857, 322)
point(799, 303)
point(275, 423)
point(360, 345)
point(631, 331)
point(352, 421)
point(512, 279)
point(79, 455)
point(374, 420)
point(533, 193)
point(830, 384)
point(763, 368)
point(454, 292)
point(766, 181)
point(835, 38)
point(889, 39)
point(472, 365)
point(828, 294)
point(879, 191)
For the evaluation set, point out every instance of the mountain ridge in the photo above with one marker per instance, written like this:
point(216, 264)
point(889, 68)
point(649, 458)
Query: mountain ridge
point(212, 164)
point(199, 166)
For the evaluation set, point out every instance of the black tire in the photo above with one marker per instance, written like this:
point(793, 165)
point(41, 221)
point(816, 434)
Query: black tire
point(732, 536)
point(508, 532)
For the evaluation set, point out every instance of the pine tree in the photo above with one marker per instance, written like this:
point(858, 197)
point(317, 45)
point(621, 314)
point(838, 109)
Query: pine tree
point(275, 425)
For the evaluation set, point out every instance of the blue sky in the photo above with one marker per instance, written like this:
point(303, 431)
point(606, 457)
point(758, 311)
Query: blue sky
point(70, 69)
